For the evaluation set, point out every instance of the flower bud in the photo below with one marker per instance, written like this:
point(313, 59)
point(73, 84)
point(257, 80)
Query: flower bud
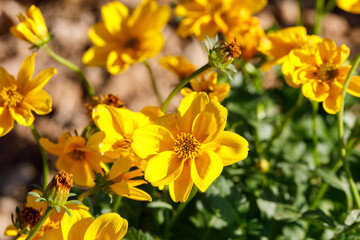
point(263, 165)
point(57, 191)
point(221, 57)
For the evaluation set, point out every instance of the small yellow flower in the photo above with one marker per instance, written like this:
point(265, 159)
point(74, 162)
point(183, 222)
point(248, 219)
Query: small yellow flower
point(122, 39)
point(189, 147)
point(320, 73)
point(277, 45)
point(118, 124)
point(108, 99)
point(21, 96)
point(78, 156)
point(352, 6)
point(217, 92)
point(208, 17)
point(81, 225)
point(178, 65)
point(32, 28)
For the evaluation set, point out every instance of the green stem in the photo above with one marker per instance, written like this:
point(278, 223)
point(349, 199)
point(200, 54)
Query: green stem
point(44, 158)
point(88, 193)
point(330, 5)
point(117, 203)
point(319, 16)
point(341, 132)
point(153, 82)
point(300, 21)
point(181, 85)
point(40, 223)
point(73, 67)
point(315, 106)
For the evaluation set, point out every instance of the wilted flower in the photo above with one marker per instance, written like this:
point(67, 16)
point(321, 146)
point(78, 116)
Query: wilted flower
point(21, 96)
point(122, 39)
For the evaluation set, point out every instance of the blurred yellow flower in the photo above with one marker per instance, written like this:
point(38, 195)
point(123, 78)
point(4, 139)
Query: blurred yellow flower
point(21, 96)
point(81, 225)
point(122, 182)
point(178, 65)
point(189, 147)
point(217, 92)
point(352, 6)
point(122, 39)
point(118, 124)
point(277, 45)
point(79, 157)
point(32, 28)
point(321, 74)
point(208, 17)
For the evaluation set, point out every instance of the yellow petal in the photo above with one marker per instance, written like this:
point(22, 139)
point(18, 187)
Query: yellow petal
point(99, 35)
point(230, 147)
point(327, 50)
point(6, 121)
point(115, 63)
point(332, 103)
point(189, 108)
point(120, 188)
point(95, 140)
point(152, 112)
point(107, 226)
point(39, 81)
point(113, 14)
point(5, 78)
point(96, 56)
point(180, 188)
point(119, 167)
point(163, 168)
point(52, 148)
point(169, 121)
point(151, 140)
point(52, 234)
point(25, 73)
point(11, 231)
point(352, 6)
point(74, 227)
point(138, 195)
point(354, 86)
point(39, 101)
point(22, 114)
point(205, 169)
point(210, 122)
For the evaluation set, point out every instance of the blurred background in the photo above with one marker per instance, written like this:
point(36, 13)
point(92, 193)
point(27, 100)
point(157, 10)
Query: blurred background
point(69, 21)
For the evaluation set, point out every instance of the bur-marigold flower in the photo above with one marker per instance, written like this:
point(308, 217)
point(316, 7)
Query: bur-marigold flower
point(122, 39)
point(79, 157)
point(32, 28)
point(217, 92)
point(178, 65)
point(277, 45)
point(320, 73)
point(352, 6)
point(122, 183)
point(81, 225)
point(108, 99)
point(21, 96)
point(118, 124)
point(189, 147)
point(208, 17)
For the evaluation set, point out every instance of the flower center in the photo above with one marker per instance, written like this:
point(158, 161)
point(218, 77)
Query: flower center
point(77, 155)
point(133, 43)
point(327, 72)
point(10, 96)
point(187, 146)
point(231, 50)
point(62, 181)
point(123, 144)
point(29, 217)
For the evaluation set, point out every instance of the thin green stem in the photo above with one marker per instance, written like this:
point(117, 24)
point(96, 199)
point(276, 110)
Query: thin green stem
point(88, 193)
point(117, 203)
point(330, 5)
point(44, 158)
point(319, 17)
point(300, 20)
point(153, 82)
point(73, 67)
point(40, 223)
point(315, 107)
point(181, 85)
point(341, 133)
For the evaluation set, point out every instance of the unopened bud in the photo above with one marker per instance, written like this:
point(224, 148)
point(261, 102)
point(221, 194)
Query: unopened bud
point(57, 191)
point(263, 165)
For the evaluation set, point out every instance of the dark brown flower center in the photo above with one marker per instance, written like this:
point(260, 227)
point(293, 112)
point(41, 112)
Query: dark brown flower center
point(29, 217)
point(327, 72)
point(77, 155)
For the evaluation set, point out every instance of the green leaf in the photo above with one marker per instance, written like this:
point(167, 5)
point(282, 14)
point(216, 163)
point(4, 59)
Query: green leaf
point(73, 202)
point(318, 218)
point(353, 217)
point(57, 209)
point(160, 204)
point(67, 210)
point(34, 194)
point(37, 187)
point(135, 234)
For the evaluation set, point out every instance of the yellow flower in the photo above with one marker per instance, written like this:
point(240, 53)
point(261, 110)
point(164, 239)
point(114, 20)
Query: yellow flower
point(122, 182)
point(277, 45)
point(247, 33)
point(32, 28)
point(118, 124)
point(217, 92)
point(321, 74)
point(78, 156)
point(178, 65)
point(352, 6)
point(208, 17)
point(189, 147)
point(30, 214)
point(81, 225)
point(108, 99)
point(21, 96)
point(122, 39)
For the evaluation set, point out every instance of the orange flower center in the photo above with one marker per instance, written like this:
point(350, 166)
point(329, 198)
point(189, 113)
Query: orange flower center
point(187, 146)
point(10, 96)
point(77, 155)
point(62, 181)
point(29, 217)
point(327, 72)
point(231, 50)
point(123, 144)
point(133, 43)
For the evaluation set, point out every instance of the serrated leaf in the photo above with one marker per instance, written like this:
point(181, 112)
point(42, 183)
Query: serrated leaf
point(160, 204)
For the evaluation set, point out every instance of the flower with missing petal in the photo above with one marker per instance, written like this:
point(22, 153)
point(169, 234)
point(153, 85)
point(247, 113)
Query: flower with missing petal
point(79, 157)
point(25, 94)
point(122, 39)
point(352, 6)
point(217, 92)
point(178, 65)
point(32, 28)
point(208, 17)
point(189, 147)
point(320, 73)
